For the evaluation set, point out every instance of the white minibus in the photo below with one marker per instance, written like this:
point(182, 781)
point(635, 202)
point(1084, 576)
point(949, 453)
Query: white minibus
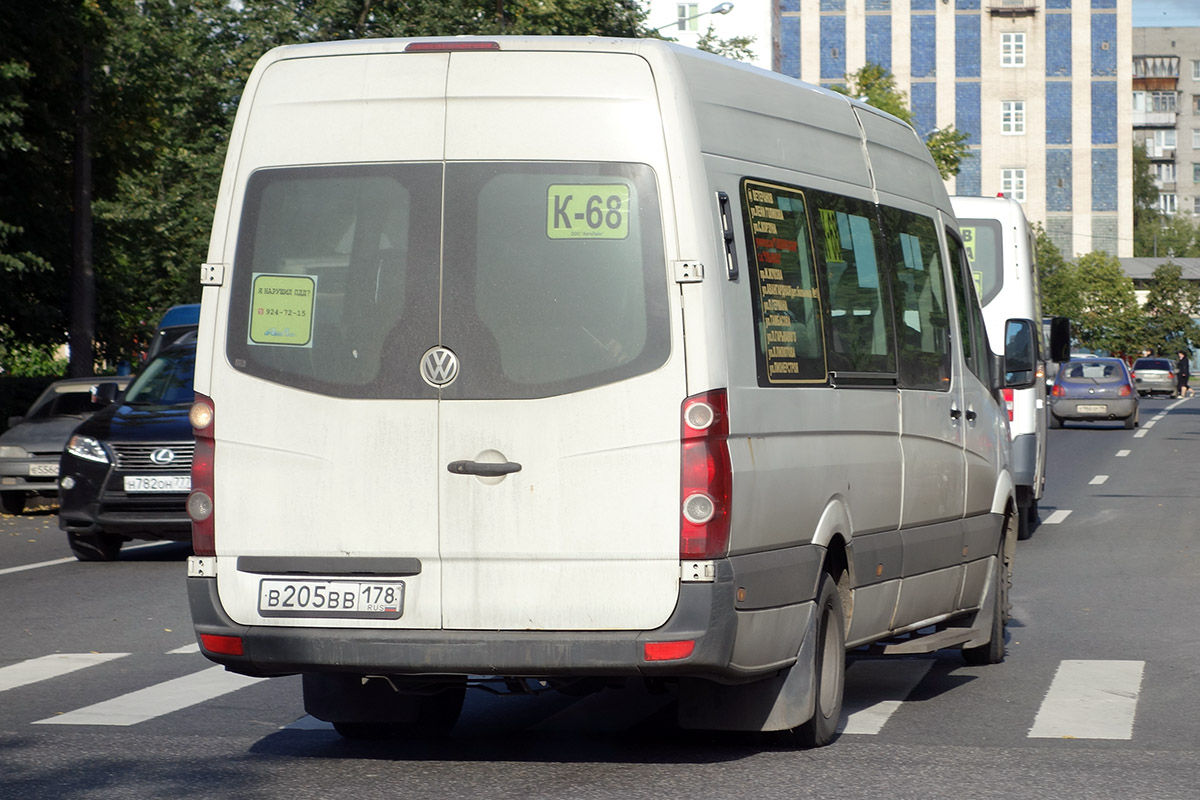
point(542, 363)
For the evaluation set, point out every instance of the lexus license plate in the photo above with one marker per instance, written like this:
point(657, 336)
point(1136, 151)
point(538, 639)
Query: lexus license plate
point(337, 599)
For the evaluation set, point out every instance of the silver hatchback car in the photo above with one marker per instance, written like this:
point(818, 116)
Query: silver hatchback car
point(1153, 376)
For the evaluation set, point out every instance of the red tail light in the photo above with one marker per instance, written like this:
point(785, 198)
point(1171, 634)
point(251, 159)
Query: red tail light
point(706, 479)
point(1125, 391)
point(200, 501)
point(1008, 402)
point(1058, 390)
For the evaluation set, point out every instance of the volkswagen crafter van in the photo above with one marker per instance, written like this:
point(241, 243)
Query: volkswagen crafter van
point(528, 362)
point(1002, 255)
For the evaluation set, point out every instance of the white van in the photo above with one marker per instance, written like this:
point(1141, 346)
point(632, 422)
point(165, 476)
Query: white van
point(529, 362)
point(1002, 254)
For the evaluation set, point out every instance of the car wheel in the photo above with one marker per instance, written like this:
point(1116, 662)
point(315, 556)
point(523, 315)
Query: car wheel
point(1025, 524)
point(993, 651)
point(12, 502)
point(94, 546)
point(1131, 421)
point(829, 669)
point(1055, 422)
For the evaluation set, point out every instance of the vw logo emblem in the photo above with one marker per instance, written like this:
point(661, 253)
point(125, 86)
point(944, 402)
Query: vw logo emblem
point(439, 366)
point(163, 456)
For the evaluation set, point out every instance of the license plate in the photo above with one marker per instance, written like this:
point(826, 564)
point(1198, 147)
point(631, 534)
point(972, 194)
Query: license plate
point(44, 470)
point(158, 483)
point(337, 599)
point(1092, 409)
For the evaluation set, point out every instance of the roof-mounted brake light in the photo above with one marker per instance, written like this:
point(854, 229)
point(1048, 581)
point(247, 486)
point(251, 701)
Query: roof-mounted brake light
point(445, 47)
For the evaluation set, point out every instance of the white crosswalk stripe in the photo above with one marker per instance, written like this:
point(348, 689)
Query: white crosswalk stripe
point(156, 700)
point(876, 689)
point(51, 666)
point(1090, 700)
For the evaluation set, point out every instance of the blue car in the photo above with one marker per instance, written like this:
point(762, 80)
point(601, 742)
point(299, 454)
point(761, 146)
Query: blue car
point(1093, 390)
point(126, 472)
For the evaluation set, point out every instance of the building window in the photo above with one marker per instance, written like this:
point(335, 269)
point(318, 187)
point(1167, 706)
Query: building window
point(1164, 172)
point(1163, 144)
point(1166, 203)
point(1196, 138)
point(1012, 117)
point(1195, 173)
point(1196, 104)
point(687, 16)
point(1012, 183)
point(1161, 101)
point(1012, 49)
point(1196, 205)
point(1195, 70)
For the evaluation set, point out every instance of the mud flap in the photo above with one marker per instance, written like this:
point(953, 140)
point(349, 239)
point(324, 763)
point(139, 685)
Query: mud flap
point(779, 702)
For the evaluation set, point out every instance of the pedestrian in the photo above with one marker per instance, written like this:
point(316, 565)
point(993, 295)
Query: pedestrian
point(1182, 373)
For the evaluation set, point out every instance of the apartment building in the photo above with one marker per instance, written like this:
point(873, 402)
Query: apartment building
point(1039, 86)
point(1166, 112)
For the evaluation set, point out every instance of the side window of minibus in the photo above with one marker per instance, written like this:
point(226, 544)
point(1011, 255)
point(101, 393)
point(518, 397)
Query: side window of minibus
point(919, 299)
point(846, 234)
point(970, 316)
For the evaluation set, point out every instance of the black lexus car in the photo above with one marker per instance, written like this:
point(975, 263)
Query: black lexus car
point(126, 472)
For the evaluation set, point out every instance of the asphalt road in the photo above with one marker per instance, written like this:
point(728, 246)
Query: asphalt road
point(103, 694)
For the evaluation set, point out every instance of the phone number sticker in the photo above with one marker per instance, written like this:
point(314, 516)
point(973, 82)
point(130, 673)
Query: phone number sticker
point(587, 211)
point(281, 310)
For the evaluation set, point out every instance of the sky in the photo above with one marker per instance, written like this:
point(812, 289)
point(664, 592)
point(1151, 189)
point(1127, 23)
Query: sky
point(1165, 13)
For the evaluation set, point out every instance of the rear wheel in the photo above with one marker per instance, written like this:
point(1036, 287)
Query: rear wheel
point(94, 546)
point(829, 672)
point(1131, 421)
point(12, 502)
point(1055, 422)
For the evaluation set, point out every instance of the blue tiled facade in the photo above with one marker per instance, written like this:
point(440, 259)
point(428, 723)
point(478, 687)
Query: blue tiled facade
point(789, 46)
point(833, 5)
point(966, 46)
point(879, 41)
point(1104, 34)
point(1058, 113)
point(967, 5)
point(789, 5)
point(833, 41)
point(1058, 180)
point(922, 5)
point(924, 107)
point(1058, 45)
point(879, 5)
point(1104, 180)
point(966, 110)
point(1058, 4)
point(968, 180)
point(1104, 112)
point(924, 46)
point(1104, 3)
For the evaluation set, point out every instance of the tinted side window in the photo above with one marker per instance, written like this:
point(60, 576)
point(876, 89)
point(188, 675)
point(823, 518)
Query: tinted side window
point(919, 297)
point(982, 240)
point(787, 300)
point(846, 232)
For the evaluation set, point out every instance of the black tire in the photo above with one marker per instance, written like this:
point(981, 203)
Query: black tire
point(1024, 526)
point(95, 546)
point(1131, 421)
point(12, 502)
point(829, 668)
point(1055, 422)
point(993, 651)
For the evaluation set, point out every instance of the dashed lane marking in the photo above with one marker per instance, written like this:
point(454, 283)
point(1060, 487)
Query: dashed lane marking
point(1123, 453)
point(1098, 480)
point(1057, 517)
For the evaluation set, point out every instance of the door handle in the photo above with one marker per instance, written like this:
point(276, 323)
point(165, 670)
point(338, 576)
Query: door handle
point(971, 414)
point(955, 412)
point(483, 469)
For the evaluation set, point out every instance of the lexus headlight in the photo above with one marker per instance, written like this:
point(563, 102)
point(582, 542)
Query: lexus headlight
point(12, 451)
point(87, 447)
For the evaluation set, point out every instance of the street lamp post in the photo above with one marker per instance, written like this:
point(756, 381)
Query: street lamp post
point(719, 8)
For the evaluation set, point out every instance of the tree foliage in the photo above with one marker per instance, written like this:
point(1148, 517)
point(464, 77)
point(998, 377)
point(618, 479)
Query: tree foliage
point(876, 86)
point(1170, 305)
point(737, 48)
point(1106, 315)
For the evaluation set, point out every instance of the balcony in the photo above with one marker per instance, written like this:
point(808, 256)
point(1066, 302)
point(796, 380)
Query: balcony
point(1013, 8)
point(1154, 119)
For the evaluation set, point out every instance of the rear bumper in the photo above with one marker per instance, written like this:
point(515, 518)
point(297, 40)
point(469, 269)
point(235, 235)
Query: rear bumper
point(706, 614)
point(1115, 408)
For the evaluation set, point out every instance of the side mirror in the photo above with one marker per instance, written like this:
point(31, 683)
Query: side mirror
point(105, 394)
point(1020, 354)
point(1060, 339)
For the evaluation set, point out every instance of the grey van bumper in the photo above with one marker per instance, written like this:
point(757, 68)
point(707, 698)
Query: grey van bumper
point(707, 613)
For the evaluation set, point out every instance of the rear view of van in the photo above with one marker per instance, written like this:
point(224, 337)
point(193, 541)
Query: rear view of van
point(1001, 251)
point(531, 362)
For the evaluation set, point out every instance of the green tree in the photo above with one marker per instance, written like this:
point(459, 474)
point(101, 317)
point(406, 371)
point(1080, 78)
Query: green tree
point(1170, 305)
point(1056, 276)
point(737, 47)
point(1108, 317)
point(876, 86)
point(1145, 190)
